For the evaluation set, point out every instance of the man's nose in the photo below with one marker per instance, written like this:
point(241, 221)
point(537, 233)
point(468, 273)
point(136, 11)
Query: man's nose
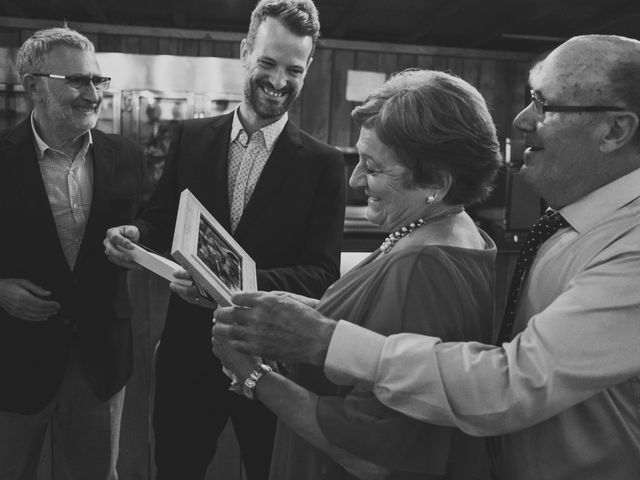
point(527, 119)
point(278, 79)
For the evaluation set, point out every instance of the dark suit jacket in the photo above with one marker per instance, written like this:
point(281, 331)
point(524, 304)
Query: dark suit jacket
point(33, 355)
point(292, 225)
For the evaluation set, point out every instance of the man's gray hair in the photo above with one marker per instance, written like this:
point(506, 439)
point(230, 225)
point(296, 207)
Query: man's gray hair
point(34, 50)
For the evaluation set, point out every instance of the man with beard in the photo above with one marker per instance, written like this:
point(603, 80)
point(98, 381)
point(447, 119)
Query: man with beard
point(281, 194)
point(65, 331)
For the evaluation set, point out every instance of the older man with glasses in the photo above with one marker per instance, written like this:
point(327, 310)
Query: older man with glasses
point(561, 390)
point(65, 330)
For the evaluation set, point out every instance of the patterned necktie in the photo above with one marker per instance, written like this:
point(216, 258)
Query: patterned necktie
point(546, 226)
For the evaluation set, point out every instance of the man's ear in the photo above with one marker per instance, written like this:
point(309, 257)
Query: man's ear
point(31, 86)
point(622, 128)
point(244, 50)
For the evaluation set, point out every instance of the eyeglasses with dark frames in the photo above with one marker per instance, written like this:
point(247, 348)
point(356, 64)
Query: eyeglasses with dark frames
point(79, 81)
point(540, 107)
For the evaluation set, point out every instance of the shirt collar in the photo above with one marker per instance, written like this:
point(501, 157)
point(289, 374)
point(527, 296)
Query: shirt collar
point(271, 132)
point(42, 146)
point(601, 203)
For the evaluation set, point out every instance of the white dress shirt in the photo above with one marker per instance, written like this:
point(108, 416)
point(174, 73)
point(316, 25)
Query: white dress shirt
point(247, 158)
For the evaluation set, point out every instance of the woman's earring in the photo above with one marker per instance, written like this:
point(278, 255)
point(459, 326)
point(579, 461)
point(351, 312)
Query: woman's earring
point(430, 199)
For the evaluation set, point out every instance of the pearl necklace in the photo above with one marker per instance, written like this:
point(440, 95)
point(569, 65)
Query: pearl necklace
point(393, 238)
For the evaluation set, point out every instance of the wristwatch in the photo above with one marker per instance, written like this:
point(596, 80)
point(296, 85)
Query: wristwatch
point(249, 385)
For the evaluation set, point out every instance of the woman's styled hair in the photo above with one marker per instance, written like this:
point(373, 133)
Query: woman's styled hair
point(436, 122)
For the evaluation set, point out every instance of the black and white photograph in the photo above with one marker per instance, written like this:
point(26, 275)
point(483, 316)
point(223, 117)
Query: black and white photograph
point(219, 256)
point(320, 240)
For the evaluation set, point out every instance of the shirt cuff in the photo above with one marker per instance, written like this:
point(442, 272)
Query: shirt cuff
point(353, 355)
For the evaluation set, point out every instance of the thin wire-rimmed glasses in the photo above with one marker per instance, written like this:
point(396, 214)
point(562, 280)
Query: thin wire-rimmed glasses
point(540, 107)
point(79, 81)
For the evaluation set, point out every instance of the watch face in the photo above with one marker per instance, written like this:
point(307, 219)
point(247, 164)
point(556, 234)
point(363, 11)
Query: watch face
point(248, 387)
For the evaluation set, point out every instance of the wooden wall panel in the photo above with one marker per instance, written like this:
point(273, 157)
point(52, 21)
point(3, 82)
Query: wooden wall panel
point(519, 96)
point(340, 124)
point(366, 61)
point(168, 46)
point(316, 95)
point(387, 63)
point(488, 72)
point(455, 65)
point(206, 48)
point(109, 43)
point(406, 60)
point(471, 71)
point(10, 37)
point(226, 49)
point(295, 111)
point(502, 114)
point(188, 47)
point(131, 44)
point(149, 45)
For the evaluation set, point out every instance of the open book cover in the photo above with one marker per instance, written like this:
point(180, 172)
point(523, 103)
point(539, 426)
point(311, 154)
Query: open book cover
point(218, 265)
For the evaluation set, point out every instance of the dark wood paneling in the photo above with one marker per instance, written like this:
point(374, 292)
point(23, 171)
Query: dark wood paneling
point(188, 47)
point(455, 65)
point(109, 43)
point(316, 102)
point(10, 37)
point(295, 111)
point(206, 48)
point(341, 124)
point(149, 46)
point(471, 71)
point(387, 63)
point(225, 50)
point(406, 60)
point(131, 44)
point(488, 72)
point(502, 100)
point(168, 46)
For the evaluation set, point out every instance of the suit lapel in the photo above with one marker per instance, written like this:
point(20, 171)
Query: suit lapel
point(277, 169)
point(31, 195)
point(209, 172)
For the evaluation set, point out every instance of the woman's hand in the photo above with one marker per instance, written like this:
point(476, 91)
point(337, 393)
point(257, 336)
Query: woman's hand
point(241, 364)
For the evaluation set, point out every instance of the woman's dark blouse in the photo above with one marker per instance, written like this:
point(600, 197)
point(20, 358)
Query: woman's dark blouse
point(441, 291)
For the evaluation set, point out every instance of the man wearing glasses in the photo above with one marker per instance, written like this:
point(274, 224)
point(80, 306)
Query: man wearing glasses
point(65, 331)
point(560, 391)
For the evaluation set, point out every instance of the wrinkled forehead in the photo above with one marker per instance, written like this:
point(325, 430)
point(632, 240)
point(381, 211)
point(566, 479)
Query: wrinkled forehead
point(572, 73)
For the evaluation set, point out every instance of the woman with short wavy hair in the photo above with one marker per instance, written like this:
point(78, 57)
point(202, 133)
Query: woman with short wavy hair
point(427, 149)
